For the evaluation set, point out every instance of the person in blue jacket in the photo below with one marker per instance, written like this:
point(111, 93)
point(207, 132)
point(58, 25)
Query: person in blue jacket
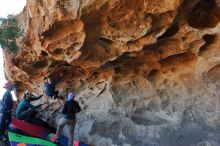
point(6, 109)
point(50, 87)
point(27, 112)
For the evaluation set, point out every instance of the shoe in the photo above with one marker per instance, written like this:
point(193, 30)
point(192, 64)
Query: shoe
point(3, 139)
point(56, 141)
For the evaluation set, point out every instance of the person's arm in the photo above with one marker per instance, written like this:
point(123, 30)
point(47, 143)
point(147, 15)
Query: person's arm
point(64, 110)
point(78, 109)
point(35, 98)
point(29, 105)
point(37, 106)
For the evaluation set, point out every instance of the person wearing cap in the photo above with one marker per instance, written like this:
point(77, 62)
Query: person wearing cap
point(6, 109)
point(27, 112)
point(70, 108)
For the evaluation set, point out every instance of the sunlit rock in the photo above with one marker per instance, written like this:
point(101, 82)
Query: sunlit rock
point(146, 72)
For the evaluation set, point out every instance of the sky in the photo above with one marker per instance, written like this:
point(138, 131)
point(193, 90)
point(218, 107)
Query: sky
point(11, 7)
point(8, 7)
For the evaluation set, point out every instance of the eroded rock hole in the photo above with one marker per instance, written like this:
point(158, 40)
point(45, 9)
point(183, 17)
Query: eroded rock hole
point(117, 70)
point(108, 41)
point(53, 28)
point(209, 38)
point(153, 72)
point(58, 51)
point(40, 64)
point(206, 5)
point(204, 15)
point(43, 53)
point(170, 32)
point(67, 65)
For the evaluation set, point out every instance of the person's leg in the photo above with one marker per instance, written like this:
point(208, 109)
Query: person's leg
point(27, 115)
point(3, 123)
point(8, 121)
point(71, 132)
point(55, 94)
point(60, 125)
point(44, 124)
point(22, 115)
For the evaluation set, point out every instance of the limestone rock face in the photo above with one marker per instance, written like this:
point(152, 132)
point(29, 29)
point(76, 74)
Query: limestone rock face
point(146, 72)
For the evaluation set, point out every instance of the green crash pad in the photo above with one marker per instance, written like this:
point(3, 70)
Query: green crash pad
point(16, 138)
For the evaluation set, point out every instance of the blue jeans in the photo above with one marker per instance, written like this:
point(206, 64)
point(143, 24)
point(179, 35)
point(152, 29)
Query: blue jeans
point(4, 122)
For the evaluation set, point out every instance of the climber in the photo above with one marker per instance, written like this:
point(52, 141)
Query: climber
point(27, 112)
point(50, 86)
point(6, 109)
point(70, 108)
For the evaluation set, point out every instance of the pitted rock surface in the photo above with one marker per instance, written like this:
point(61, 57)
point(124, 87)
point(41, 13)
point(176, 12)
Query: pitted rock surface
point(146, 72)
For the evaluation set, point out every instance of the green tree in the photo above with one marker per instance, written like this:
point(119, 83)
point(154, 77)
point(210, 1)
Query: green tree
point(9, 31)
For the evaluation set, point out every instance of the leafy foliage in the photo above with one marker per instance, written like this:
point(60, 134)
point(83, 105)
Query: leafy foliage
point(9, 31)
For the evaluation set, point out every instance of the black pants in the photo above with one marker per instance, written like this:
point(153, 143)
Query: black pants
point(4, 122)
point(45, 125)
point(30, 117)
point(54, 94)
